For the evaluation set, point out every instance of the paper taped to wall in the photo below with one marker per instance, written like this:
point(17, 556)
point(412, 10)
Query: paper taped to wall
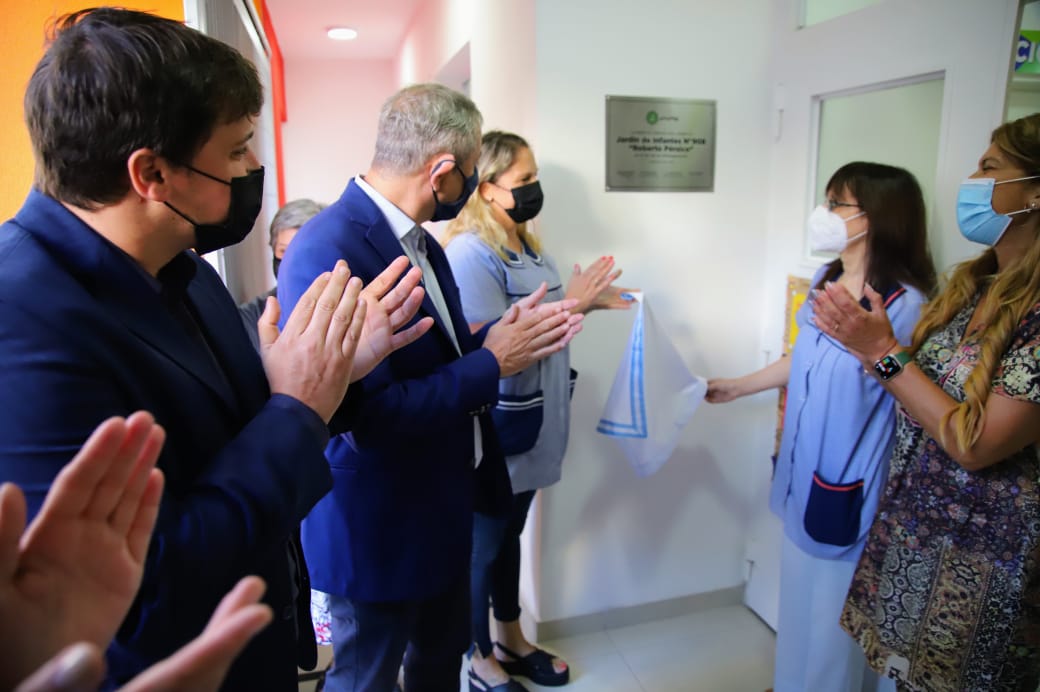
point(653, 397)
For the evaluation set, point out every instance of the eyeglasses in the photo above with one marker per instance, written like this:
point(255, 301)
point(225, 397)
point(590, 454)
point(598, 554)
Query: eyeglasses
point(833, 204)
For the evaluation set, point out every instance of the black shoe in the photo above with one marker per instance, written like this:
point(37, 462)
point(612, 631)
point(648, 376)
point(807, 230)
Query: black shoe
point(536, 666)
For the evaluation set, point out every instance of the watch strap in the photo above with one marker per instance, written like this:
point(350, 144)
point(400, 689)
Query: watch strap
point(902, 357)
point(891, 364)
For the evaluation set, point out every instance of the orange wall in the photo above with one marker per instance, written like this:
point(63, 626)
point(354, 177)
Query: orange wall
point(25, 22)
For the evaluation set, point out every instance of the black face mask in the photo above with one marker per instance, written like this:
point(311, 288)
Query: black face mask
point(527, 202)
point(275, 262)
point(247, 192)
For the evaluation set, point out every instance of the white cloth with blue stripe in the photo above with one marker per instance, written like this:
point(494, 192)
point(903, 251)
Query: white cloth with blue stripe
point(653, 397)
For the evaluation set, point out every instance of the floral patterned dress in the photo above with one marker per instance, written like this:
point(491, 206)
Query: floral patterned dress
point(946, 595)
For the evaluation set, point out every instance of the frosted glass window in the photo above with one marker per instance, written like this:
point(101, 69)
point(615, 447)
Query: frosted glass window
point(1023, 96)
point(898, 126)
point(1023, 99)
point(817, 11)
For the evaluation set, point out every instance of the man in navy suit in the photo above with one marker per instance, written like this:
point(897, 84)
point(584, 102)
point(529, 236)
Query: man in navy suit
point(391, 543)
point(141, 129)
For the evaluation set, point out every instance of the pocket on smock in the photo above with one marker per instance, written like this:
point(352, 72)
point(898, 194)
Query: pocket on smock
point(832, 515)
point(518, 420)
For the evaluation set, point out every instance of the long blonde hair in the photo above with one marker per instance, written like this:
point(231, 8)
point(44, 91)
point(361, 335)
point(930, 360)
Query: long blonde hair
point(498, 151)
point(1007, 295)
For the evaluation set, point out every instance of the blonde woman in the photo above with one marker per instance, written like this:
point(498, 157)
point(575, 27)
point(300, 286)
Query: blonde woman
point(496, 259)
point(946, 592)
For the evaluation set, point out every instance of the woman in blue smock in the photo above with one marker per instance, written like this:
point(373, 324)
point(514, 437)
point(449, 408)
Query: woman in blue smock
point(496, 260)
point(839, 423)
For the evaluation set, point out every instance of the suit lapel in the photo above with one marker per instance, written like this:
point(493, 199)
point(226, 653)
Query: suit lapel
point(120, 288)
point(230, 345)
point(143, 312)
point(382, 239)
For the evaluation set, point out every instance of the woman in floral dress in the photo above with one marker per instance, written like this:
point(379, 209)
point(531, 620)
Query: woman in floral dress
point(946, 595)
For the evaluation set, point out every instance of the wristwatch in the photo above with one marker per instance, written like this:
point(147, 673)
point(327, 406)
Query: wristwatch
point(891, 365)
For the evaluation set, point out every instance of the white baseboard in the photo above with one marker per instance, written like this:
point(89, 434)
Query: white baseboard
point(638, 614)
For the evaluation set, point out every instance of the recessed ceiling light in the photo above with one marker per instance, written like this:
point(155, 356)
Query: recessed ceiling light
point(342, 33)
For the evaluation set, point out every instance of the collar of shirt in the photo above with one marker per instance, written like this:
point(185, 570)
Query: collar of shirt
point(399, 222)
point(173, 278)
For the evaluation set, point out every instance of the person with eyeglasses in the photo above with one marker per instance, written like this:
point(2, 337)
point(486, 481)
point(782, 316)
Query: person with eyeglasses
point(945, 594)
point(839, 422)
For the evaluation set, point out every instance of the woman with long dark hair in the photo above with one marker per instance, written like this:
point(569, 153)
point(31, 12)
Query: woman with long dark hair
point(839, 423)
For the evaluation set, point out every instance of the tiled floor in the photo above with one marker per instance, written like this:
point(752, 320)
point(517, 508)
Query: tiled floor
point(721, 650)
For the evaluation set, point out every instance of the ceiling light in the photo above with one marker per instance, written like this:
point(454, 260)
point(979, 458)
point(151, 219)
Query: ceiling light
point(342, 33)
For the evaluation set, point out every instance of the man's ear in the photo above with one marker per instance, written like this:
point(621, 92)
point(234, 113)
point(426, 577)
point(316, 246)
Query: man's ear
point(149, 174)
point(440, 165)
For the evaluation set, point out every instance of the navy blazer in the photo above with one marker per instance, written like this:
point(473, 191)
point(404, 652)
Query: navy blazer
point(84, 335)
point(398, 522)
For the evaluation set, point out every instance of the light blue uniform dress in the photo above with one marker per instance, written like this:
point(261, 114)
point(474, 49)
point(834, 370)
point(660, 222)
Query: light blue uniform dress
point(839, 429)
point(532, 417)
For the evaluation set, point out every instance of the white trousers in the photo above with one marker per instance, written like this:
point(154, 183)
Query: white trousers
point(813, 652)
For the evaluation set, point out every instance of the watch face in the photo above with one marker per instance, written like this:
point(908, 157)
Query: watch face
point(887, 367)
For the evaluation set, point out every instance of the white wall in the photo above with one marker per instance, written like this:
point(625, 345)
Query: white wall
point(603, 538)
point(498, 60)
point(333, 109)
point(608, 538)
point(439, 30)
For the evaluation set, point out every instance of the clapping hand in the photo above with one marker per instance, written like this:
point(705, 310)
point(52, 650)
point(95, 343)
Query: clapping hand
point(391, 304)
point(867, 334)
point(199, 666)
point(72, 575)
point(530, 330)
point(312, 359)
point(594, 290)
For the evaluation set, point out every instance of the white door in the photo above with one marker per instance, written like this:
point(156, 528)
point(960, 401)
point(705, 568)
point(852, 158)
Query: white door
point(917, 83)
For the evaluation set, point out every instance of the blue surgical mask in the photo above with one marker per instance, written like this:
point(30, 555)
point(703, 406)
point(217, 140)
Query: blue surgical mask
point(449, 210)
point(976, 218)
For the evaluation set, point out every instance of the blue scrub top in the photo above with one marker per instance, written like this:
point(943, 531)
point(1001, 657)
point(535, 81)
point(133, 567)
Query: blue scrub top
point(534, 405)
point(839, 422)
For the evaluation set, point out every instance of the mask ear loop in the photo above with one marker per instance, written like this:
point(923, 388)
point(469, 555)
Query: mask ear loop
point(1032, 205)
point(858, 235)
point(435, 169)
point(439, 164)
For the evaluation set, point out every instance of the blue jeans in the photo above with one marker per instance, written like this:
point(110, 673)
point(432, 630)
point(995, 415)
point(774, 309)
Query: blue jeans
point(495, 569)
point(369, 641)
